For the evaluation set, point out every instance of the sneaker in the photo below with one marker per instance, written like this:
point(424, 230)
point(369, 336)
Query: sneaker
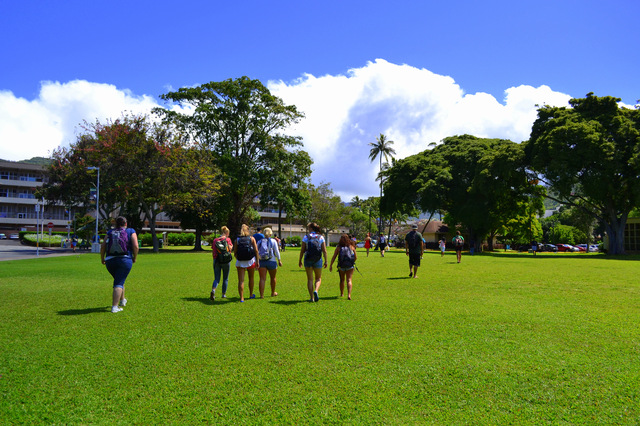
point(410, 274)
point(123, 302)
point(253, 296)
point(115, 309)
point(212, 296)
point(315, 296)
point(224, 296)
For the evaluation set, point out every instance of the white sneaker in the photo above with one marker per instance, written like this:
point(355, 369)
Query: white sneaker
point(115, 309)
point(123, 302)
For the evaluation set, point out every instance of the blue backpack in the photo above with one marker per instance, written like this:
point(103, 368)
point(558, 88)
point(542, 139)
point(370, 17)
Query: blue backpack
point(118, 242)
point(346, 258)
point(314, 249)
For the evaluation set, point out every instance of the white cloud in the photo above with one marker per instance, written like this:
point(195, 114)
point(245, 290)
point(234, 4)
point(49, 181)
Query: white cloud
point(344, 113)
point(37, 127)
point(411, 106)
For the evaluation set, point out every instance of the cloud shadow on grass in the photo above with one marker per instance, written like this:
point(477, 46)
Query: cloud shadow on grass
point(85, 311)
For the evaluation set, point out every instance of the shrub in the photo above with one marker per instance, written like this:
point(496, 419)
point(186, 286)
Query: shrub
point(146, 239)
point(295, 240)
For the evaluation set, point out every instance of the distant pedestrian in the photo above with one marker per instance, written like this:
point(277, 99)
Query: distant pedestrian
point(383, 244)
point(221, 252)
point(346, 253)
point(119, 251)
point(458, 244)
point(367, 243)
point(443, 246)
point(313, 249)
point(269, 253)
point(534, 247)
point(414, 247)
point(246, 252)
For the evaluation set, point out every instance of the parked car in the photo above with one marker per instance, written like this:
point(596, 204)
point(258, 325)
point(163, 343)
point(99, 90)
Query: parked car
point(3, 237)
point(567, 247)
point(592, 247)
point(548, 247)
point(14, 236)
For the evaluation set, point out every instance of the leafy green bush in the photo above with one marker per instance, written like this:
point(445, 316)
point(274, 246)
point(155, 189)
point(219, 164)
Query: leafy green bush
point(146, 239)
point(188, 239)
point(176, 239)
point(295, 240)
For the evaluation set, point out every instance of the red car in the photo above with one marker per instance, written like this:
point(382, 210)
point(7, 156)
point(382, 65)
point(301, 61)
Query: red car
point(567, 247)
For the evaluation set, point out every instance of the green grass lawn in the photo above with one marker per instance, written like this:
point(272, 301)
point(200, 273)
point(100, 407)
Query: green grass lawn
point(496, 339)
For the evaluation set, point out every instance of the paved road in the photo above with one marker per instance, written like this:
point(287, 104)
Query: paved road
point(13, 250)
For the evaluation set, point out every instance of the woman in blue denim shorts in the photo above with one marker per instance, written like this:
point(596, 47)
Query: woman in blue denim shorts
point(269, 263)
point(314, 250)
point(118, 253)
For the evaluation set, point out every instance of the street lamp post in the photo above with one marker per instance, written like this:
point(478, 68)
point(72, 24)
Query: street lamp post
point(95, 246)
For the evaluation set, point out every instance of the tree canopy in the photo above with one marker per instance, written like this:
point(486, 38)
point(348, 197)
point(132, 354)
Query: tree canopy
point(241, 123)
point(590, 154)
point(480, 183)
point(136, 160)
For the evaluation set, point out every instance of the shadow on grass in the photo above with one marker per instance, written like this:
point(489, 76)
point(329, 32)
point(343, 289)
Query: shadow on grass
point(85, 311)
point(399, 278)
point(296, 302)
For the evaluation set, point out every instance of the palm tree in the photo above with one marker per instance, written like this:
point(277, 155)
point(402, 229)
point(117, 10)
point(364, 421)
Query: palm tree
point(381, 148)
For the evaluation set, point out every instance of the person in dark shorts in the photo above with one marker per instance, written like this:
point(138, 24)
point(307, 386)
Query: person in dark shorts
point(414, 246)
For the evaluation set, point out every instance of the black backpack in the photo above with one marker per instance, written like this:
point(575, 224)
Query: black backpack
point(346, 258)
point(244, 250)
point(314, 249)
point(223, 251)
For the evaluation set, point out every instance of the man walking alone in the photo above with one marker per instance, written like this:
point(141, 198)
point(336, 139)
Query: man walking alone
point(414, 247)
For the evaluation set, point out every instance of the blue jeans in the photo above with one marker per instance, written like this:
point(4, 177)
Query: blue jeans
point(217, 268)
point(119, 268)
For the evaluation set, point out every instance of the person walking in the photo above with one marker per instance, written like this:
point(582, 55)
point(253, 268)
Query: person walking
point(367, 243)
point(222, 248)
point(269, 252)
point(414, 247)
point(458, 244)
point(346, 253)
point(443, 246)
point(313, 249)
point(246, 250)
point(382, 244)
point(118, 252)
point(258, 235)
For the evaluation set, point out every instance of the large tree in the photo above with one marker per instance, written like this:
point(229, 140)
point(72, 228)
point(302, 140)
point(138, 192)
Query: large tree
point(242, 123)
point(135, 158)
point(196, 184)
point(285, 186)
point(326, 208)
point(479, 182)
point(589, 153)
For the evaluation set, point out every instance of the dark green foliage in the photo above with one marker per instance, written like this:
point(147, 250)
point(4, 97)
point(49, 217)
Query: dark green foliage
point(241, 122)
point(590, 155)
point(480, 183)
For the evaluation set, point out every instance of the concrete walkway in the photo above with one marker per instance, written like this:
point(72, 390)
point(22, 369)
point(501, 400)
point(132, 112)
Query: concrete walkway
point(14, 250)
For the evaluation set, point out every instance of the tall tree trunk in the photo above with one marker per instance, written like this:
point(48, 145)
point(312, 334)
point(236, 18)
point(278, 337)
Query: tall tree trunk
point(615, 230)
point(198, 243)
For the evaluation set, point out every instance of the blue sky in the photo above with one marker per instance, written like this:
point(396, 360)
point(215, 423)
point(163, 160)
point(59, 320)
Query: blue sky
point(417, 71)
